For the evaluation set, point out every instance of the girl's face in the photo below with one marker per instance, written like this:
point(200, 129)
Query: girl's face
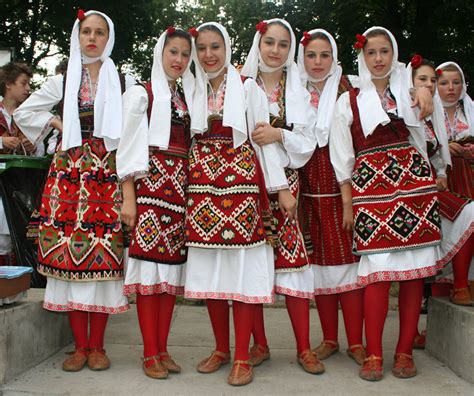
point(19, 90)
point(210, 51)
point(425, 76)
point(378, 55)
point(450, 86)
point(275, 45)
point(176, 56)
point(318, 58)
point(93, 35)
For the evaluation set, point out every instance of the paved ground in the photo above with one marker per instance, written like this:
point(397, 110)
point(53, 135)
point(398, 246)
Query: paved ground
point(191, 340)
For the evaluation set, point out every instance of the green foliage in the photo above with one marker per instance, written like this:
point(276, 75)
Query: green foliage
point(439, 30)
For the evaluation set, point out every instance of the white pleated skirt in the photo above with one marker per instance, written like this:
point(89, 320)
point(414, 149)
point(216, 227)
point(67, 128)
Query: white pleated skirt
point(146, 278)
point(244, 275)
point(92, 296)
point(335, 279)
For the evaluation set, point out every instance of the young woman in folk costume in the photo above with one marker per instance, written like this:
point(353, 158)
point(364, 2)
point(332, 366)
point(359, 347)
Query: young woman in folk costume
point(459, 119)
point(377, 148)
point(457, 214)
point(152, 165)
point(333, 263)
point(229, 257)
point(81, 242)
point(271, 62)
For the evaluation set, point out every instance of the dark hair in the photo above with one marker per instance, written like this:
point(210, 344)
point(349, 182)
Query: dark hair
point(211, 28)
point(281, 24)
point(61, 67)
point(106, 23)
point(10, 72)
point(424, 62)
point(179, 33)
point(378, 32)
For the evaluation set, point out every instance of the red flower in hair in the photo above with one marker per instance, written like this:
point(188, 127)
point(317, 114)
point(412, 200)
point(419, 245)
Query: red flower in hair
point(439, 72)
point(305, 39)
point(193, 32)
point(261, 27)
point(361, 40)
point(416, 61)
point(170, 31)
point(81, 15)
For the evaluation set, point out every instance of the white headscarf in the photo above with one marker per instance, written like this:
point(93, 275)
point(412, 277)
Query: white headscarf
point(368, 101)
point(108, 99)
point(437, 119)
point(296, 97)
point(328, 98)
point(160, 118)
point(467, 101)
point(234, 100)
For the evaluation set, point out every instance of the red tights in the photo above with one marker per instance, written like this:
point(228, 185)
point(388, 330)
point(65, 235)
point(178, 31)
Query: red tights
point(243, 322)
point(352, 304)
point(461, 264)
point(154, 316)
point(80, 321)
point(298, 310)
point(376, 309)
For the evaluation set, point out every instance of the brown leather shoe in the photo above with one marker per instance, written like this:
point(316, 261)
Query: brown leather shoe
point(76, 361)
point(420, 340)
point(372, 369)
point(326, 349)
point(241, 373)
point(310, 363)
point(169, 363)
point(258, 354)
point(357, 352)
point(156, 370)
point(214, 362)
point(404, 366)
point(98, 360)
point(460, 296)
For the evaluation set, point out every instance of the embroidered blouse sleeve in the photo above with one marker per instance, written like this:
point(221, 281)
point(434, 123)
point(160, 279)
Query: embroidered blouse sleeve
point(300, 143)
point(340, 140)
point(132, 152)
point(271, 156)
point(34, 116)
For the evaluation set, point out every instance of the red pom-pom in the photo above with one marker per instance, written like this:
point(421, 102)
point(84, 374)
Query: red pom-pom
point(81, 15)
point(305, 39)
point(361, 40)
point(416, 61)
point(439, 72)
point(261, 27)
point(170, 31)
point(193, 32)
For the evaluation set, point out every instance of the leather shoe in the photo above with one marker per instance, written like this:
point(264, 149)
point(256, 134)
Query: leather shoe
point(326, 349)
point(310, 363)
point(169, 363)
point(98, 360)
point(156, 370)
point(420, 340)
point(214, 362)
point(460, 296)
point(241, 373)
point(357, 352)
point(258, 354)
point(372, 369)
point(404, 366)
point(76, 361)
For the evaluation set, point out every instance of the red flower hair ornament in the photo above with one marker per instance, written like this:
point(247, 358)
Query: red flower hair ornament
point(439, 72)
point(360, 42)
point(305, 39)
point(261, 27)
point(193, 32)
point(416, 61)
point(170, 31)
point(81, 15)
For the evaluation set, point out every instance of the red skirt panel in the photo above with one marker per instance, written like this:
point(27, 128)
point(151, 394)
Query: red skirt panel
point(461, 177)
point(80, 233)
point(322, 208)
